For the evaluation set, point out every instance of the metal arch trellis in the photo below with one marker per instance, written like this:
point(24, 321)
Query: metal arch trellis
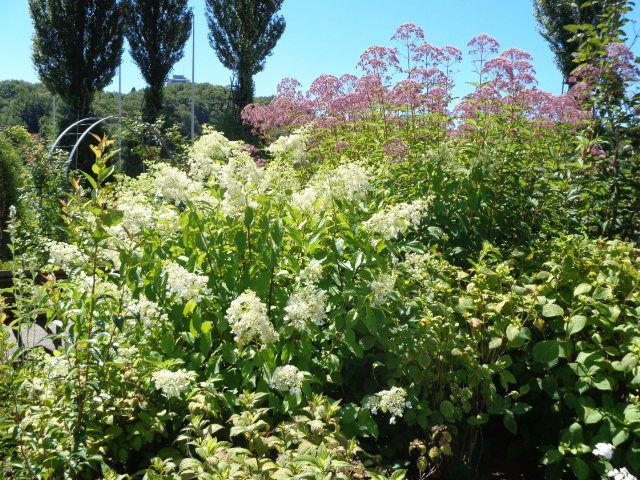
point(74, 150)
point(95, 121)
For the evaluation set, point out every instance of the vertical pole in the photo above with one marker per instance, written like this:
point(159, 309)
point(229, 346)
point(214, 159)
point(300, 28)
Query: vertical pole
point(120, 117)
point(193, 77)
point(54, 112)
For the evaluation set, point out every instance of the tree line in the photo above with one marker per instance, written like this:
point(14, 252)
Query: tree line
point(30, 105)
point(78, 45)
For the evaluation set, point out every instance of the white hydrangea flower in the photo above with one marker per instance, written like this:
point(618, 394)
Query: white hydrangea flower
point(64, 255)
point(395, 220)
point(603, 450)
point(12, 211)
point(621, 474)
point(183, 284)
point(291, 147)
point(209, 152)
point(127, 353)
point(311, 274)
point(166, 220)
point(287, 378)
point(383, 287)
point(248, 318)
point(393, 401)
point(137, 213)
point(348, 182)
point(305, 199)
point(173, 185)
point(149, 312)
point(173, 384)
point(240, 179)
point(306, 305)
point(109, 255)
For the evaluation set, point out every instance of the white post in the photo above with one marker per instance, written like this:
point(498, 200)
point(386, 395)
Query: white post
point(193, 77)
point(53, 115)
point(120, 117)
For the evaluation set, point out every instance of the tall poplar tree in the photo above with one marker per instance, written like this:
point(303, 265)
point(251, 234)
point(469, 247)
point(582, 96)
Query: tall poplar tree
point(157, 31)
point(77, 47)
point(554, 16)
point(243, 34)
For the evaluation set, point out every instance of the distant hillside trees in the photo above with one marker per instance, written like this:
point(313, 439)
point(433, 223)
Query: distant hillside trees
point(157, 31)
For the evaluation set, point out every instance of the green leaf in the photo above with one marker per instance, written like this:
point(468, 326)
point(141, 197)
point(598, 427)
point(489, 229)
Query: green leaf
point(581, 289)
point(111, 218)
point(551, 456)
point(206, 327)
point(546, 352)
point(579, 468)
point(576, 324)
point(447, 410)
point(509, 422)
point(552, 310)
point(189, 307)
point(512, 332)
point(602, 293)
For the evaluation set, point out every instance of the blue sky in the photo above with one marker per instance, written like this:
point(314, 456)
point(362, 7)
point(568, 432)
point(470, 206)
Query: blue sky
point(324, 36)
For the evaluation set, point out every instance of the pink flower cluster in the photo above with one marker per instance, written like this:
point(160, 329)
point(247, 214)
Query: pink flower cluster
point(409, 84)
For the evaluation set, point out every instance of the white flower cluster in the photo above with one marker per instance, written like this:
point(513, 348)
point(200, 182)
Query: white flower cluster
point(287, 378)
point(173, 185)
point(306, 199)
point(248, 318)
point(208, 152)
point(383, 287)
point(393, 401)
point(621, 474)
point(396, 219)
point(149, 312)
point(311, 274)
point(183, 284)
point(306, 305)
point(173, 384)
point(240, 178)
point(603, 450)
point(64, 255)
point(138, 213)
point(109, 255)
point(347, 183)
point(291, 147)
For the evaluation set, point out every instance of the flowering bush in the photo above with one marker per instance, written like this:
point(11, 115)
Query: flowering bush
point(395, 284)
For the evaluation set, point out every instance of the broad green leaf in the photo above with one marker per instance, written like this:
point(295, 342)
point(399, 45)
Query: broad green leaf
point(576, 324)
point(447, 410)
point(546, 352)
point(550, 310)
point(581, 289)
point(579, 468)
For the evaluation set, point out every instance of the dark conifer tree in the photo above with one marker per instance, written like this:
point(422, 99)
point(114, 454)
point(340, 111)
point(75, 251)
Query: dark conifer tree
point(77, 46)
point(243, 34)
point(157, 31)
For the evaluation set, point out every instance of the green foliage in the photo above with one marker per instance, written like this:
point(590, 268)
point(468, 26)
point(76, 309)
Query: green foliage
point(12, 175)
point(157, 32)
point(553, 17)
